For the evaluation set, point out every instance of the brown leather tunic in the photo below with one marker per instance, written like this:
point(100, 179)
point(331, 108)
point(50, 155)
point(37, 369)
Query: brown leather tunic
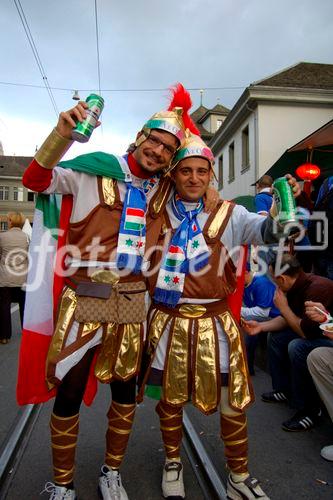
point(205, 285)
point(103, 222)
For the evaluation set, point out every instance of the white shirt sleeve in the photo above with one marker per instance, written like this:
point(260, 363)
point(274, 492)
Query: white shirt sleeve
point(255, 312)
point(64, 181)
point(243, 228)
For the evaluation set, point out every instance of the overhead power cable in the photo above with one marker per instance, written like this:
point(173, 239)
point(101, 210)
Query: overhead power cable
point(97, 49)
point(98, 60)
point(121, 90)
point(35, 53)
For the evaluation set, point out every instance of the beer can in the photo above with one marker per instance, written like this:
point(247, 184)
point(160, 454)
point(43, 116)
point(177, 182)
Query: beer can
point(83, 130)
point(284, 201)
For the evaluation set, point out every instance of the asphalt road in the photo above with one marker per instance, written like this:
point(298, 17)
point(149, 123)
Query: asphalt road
point(287, 464)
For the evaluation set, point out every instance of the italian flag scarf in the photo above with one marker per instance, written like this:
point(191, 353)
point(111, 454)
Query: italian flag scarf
point(132, 232)
point(45, 281)
point(187, 253)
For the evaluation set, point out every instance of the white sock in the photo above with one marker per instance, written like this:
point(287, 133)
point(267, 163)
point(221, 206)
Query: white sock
point(168, 460)
point(238, 478)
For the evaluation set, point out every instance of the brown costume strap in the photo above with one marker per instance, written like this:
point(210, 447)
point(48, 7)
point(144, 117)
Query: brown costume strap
point(160, 198)
point(218, 220)
point(121, 418)
point(234, 435)
point(64, 432)
point(171, 425)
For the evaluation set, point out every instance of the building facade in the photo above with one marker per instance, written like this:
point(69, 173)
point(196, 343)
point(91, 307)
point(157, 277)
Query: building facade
point(208, 121)
point(14, 197)
point(270, 116)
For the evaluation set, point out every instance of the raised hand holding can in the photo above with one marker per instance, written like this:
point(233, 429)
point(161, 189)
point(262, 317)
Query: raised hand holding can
point(284, 201)
point(83, 130)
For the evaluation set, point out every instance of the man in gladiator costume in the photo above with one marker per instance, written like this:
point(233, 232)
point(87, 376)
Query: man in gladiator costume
point(194, 347)
point(113, 207)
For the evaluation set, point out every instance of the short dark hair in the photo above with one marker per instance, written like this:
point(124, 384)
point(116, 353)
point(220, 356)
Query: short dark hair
point(265, 181)
point(289, 265)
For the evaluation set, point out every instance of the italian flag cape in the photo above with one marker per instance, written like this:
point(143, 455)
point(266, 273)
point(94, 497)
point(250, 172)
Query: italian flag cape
point(235, 299)
point(44, 284)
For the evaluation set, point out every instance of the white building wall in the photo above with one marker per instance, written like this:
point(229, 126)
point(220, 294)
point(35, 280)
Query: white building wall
point(273, 128)
point(210, 123)
point(207, 124)
point(280, 126)
point(241, 185)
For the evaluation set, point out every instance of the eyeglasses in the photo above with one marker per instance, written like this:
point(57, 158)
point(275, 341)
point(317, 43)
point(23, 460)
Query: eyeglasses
point(156, 142)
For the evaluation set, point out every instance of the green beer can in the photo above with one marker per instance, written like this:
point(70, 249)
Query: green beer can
point(284, 201)
point(83, 130)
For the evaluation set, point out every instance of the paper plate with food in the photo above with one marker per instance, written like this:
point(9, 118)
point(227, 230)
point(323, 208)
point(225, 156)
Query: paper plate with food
point(327, 327)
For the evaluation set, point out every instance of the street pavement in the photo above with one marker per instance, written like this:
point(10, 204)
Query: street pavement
point(288, 465)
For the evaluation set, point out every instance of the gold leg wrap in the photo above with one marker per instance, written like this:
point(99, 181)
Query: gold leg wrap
point(171, 424)
point(120, 425)
point(234, 435)
point(64, 432)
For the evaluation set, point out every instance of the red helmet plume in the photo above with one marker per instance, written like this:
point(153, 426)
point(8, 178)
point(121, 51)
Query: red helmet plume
point(181, 99)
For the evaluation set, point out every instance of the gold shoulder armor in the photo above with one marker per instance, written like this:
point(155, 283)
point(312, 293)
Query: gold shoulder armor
point(108, 191)
point(219, 218)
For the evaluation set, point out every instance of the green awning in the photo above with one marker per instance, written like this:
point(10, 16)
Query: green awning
point(246, 201)
point(290, 160)
point(320, 142)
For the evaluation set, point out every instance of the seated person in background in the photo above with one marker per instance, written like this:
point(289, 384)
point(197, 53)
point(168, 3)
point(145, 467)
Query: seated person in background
point(303, 251)
point(257, 305)
point(320, 365)
point(323, 259)
point(293, 336)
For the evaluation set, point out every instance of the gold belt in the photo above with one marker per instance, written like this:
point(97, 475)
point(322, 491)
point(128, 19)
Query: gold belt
point(194, 310)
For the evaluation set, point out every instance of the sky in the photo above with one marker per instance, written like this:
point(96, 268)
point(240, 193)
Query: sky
point(144, 48)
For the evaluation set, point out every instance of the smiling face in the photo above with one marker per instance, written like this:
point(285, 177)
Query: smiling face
point(192, 176)
point(156, 151)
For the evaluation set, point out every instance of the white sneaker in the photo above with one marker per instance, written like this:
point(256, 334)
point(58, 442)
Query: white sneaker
point(172, 480)
point(59, 492)
point(109, 485)
point(247, 489)
point(327, 452)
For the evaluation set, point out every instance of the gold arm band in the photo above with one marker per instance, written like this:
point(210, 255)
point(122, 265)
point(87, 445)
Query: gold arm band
point(52, 150)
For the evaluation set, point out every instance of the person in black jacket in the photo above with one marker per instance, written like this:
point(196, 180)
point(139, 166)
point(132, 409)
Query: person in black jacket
point(293, 336)
point(323, 258)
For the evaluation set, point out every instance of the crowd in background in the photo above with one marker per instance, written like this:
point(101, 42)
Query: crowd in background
point(290, 305)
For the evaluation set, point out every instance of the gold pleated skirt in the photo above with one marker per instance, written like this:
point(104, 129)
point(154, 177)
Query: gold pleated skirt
point(119, 353)
point(192, 365)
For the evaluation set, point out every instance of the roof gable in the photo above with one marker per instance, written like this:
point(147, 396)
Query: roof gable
point(301, 75)
point(202, 113)
point(198, 113)
point(14, 166)
point(219, 110)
